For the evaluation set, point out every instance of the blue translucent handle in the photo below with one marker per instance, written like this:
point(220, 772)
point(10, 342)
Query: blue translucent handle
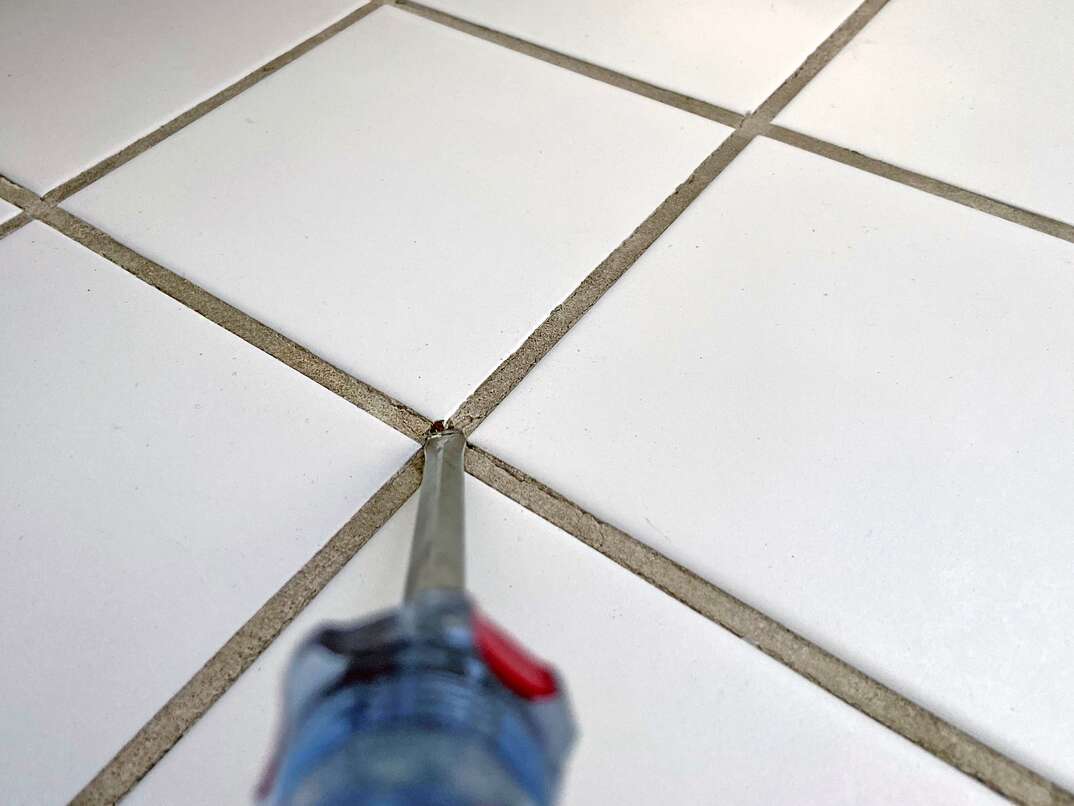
point(403, 711)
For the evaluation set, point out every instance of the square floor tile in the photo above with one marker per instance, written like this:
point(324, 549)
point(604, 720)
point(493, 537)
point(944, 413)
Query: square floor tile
point(671, 708)
point(850, 404)
point(731, 53)
point(79, 81)
point(974, 92)
point(407, 201)
point(159, 480)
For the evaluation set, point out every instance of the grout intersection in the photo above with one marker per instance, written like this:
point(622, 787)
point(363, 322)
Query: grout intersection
point(888, 707)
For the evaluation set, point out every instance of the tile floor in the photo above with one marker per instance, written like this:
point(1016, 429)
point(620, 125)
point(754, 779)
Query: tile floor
point(844, 400)
point(138, 65)
point(946, 89)
point(828, 752)
point(734, 58)
point(386, 256)
point(148, 456)
point(849, 425)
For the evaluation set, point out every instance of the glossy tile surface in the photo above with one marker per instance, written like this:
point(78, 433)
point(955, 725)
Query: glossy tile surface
point(848, 403)
point(87, 79)
point(159, 480)
point(671, 708)
point(838, 397)
point(980, 94)
point(369, 206)
point(729, 53)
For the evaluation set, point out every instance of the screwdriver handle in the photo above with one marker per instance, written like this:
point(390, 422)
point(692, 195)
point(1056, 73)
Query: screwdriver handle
point(427, 705)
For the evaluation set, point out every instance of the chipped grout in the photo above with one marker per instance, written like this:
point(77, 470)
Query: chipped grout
point(875, 700)
point(181, 121)
point(371, 400)
point(945, 190)
point(603, 74)
point(168, 725)
point(891, 709)
point(492, 391)
point(842, 680)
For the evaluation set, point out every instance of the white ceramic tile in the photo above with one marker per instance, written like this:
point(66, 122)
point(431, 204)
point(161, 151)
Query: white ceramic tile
point(7, 211)
point(159, 480)
point(975, 92)
point(733, 53)
point(718, 716)
point(82, 80)
point(849, 403)
point(407, 201)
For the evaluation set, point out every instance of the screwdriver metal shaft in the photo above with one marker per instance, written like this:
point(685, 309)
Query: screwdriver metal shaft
point(437, 555)
point(429, 703)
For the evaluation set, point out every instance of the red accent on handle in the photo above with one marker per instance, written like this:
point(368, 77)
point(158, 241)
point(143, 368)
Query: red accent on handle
point(514, 666)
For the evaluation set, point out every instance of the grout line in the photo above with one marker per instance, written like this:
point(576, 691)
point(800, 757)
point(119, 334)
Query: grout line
point(888, 707)
point(776, 103)
point(968, 198)
point(12, 224)
point(837, 677)
point(872, 698)
point(168, 725)
point(184, 119)
point(28, 201)
point(780, 97)
point(818, 59)
point(492, 391)
point(371, 400)
point(616, 79)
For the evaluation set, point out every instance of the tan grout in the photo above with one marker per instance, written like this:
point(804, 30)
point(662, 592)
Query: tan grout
point(818, 59)
point(945, 190)
point(181, 121)
point(12, 224)
point(888, 707)
point(767, 111)
point(371, 400)
point(168, 725)
point(762, 118)
point(492, 391)
point(28, 201)
point(834, 675)
point(860, 691)
point(616, 79)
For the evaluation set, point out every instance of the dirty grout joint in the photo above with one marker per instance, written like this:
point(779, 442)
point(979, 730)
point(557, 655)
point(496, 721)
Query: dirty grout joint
point(98, 208)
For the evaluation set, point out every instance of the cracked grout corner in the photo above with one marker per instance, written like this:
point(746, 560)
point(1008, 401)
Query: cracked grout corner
point(177, 716)
point(961, 751)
